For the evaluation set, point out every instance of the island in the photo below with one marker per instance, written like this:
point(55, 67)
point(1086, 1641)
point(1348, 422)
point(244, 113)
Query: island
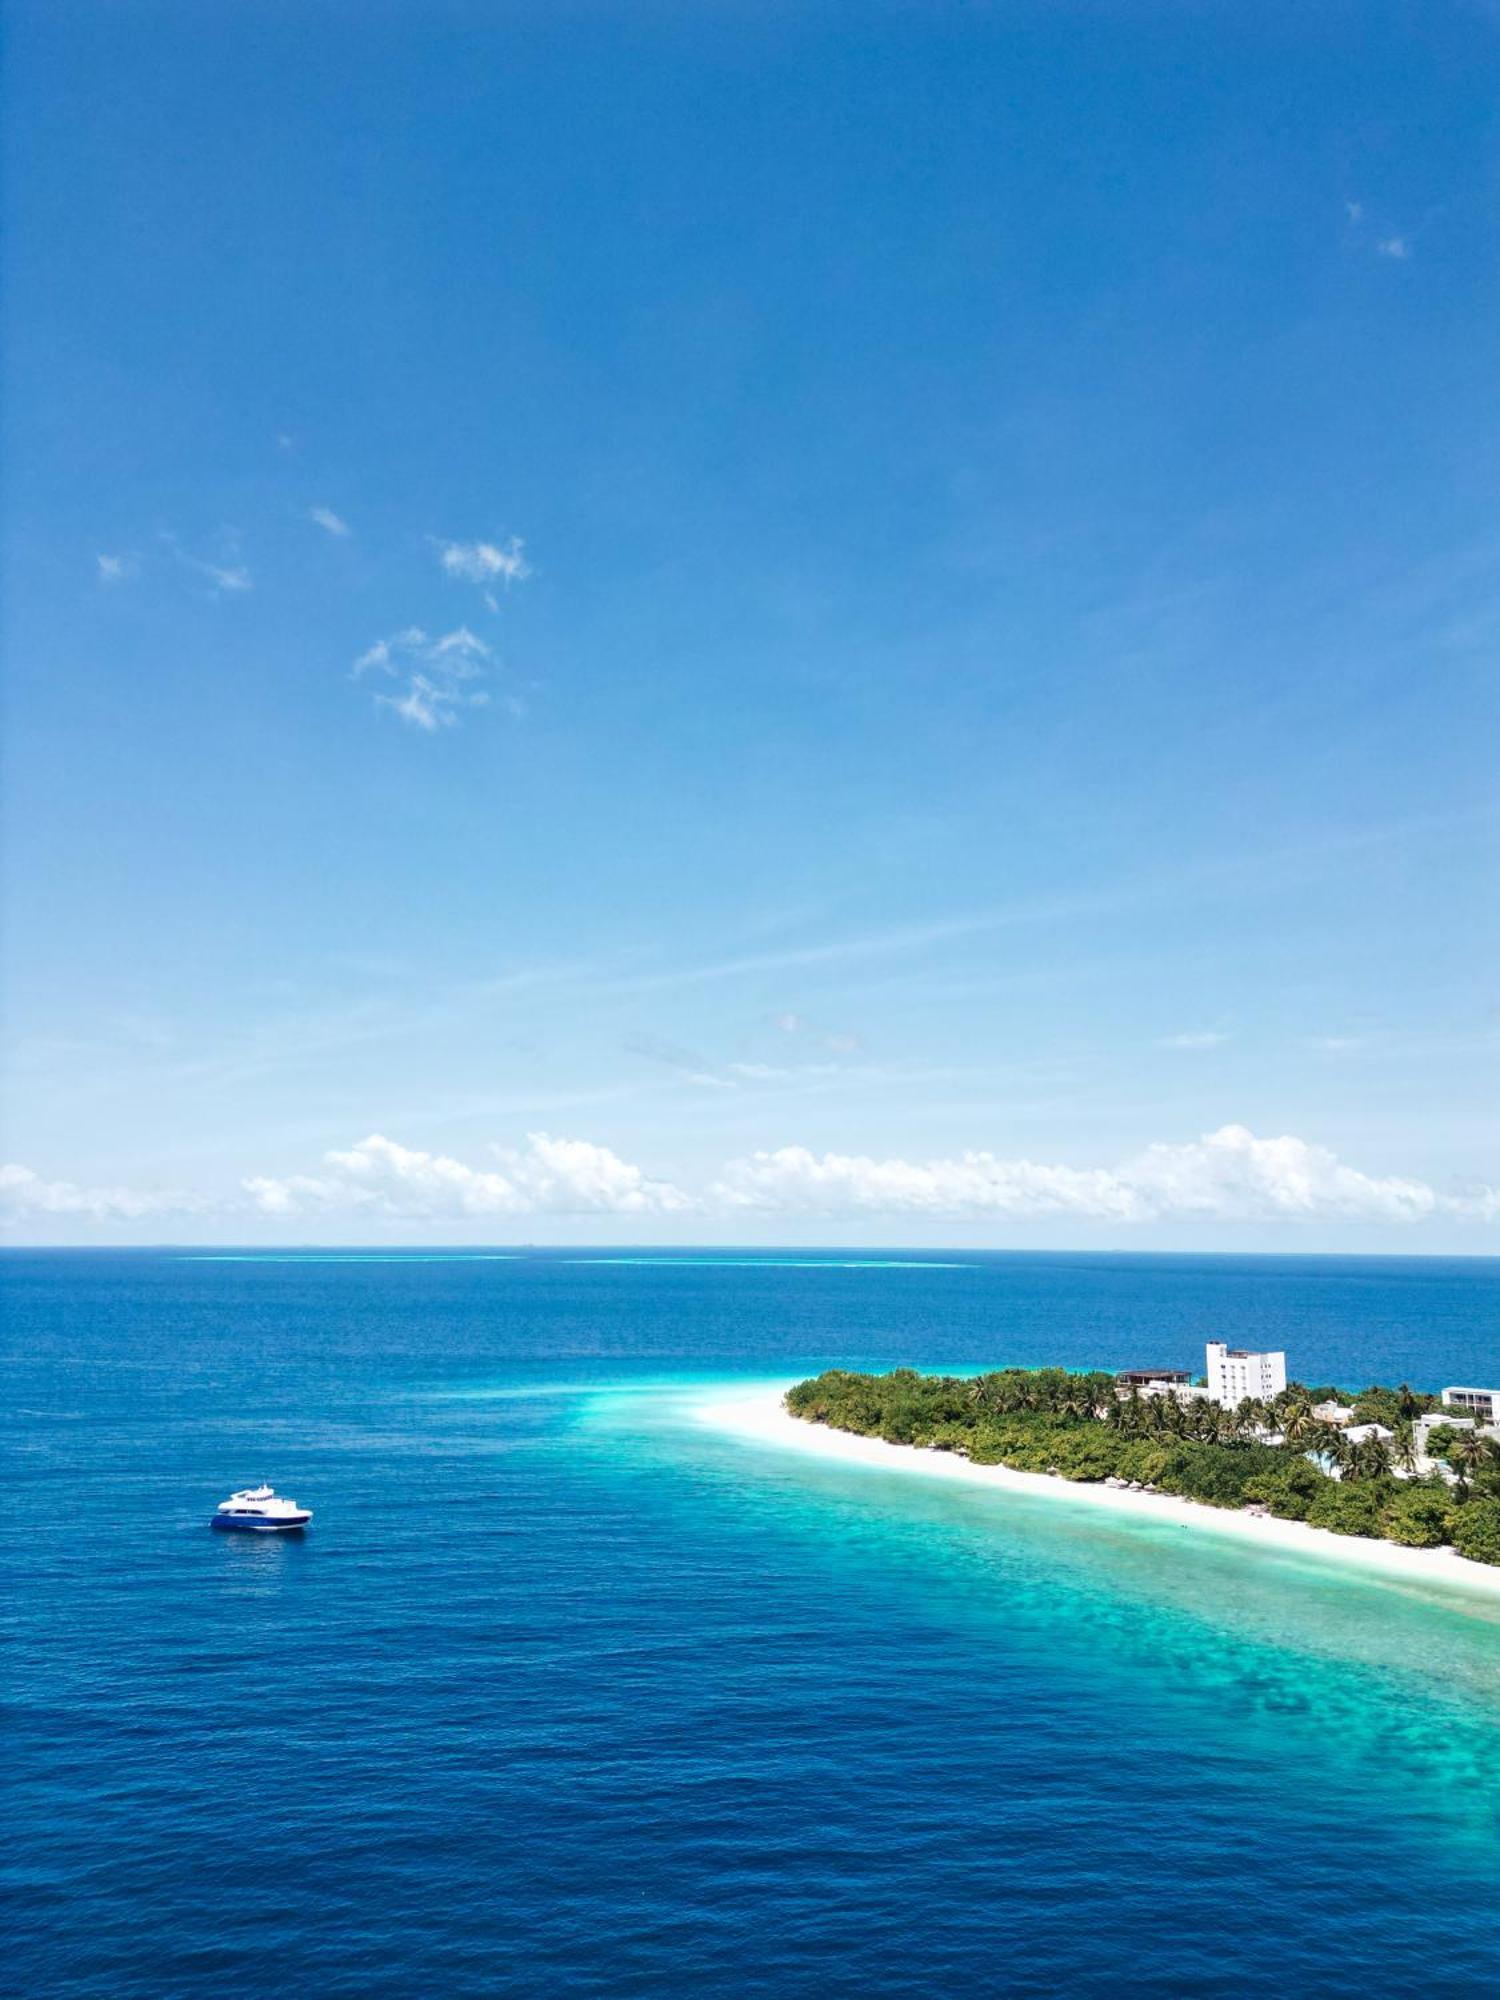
point(1398, 1465)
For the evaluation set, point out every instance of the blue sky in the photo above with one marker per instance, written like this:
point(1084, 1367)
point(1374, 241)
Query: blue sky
point(927, 577)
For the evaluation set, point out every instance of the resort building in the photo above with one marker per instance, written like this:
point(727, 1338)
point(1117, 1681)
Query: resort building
point(1421, 1431)
point(1481, 1403)
point(1153, 1378)
point(1432, 1420)
point(1333, 1413)
point(1235, 1373)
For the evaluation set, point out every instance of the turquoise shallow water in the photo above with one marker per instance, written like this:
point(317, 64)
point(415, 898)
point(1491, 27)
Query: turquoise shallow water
point(567, 1692)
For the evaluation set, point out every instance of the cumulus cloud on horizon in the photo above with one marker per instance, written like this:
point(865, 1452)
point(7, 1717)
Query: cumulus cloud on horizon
point(546, 1176)
point(24, 1193)
point(1226, 1176)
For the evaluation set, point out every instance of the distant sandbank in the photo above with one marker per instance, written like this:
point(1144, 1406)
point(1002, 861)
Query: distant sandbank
point(760, 1416)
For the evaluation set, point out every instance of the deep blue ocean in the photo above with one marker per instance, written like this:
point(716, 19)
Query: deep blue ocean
point(566, 1692)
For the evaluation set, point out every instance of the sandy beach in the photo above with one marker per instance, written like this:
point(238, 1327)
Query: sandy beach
point(759, 1417)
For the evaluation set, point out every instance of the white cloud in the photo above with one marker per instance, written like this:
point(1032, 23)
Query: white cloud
point(461, 645)
point(794, 1180)
point(24, 1195)
point(430, 704)
point(485, 562)
point(761, 1072)
point(437, 674)
point(1227, 1176)
point(836, 1043)
point(1194, 1038)
point(115, 569)
point(1365, 228)
point(326, 518)
point(688, 1064)
point(573, 1176)
point(1232, 1174)
point(385, 653)
point(547, 1175)
point(228, 574)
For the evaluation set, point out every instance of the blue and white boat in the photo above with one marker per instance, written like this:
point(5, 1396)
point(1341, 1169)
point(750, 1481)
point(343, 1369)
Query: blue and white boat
point(262, 1510)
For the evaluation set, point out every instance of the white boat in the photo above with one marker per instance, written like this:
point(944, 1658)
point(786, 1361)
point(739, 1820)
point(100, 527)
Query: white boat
point(262, 1509)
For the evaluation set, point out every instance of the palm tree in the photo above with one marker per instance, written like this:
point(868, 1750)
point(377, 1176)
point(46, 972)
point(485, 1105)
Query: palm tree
point(1298, 1424)
point(1338, 1448)
point(1404, 1448)
point(1372, 1458)
point(1467, 1454)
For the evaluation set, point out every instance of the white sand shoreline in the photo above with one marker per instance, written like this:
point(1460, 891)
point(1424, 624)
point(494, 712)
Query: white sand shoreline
point(760, 1417)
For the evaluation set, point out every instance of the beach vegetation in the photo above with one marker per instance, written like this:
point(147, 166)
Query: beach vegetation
point(1476, 1530)
point(1272, 1455)
point(1419, 1515)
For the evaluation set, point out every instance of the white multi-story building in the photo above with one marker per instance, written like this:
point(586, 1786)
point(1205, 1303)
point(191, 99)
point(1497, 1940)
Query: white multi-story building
point(1481, 1403)
point(1235, 1373)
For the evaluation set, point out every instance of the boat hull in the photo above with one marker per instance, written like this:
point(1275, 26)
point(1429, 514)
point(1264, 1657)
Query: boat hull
point(247, 1524)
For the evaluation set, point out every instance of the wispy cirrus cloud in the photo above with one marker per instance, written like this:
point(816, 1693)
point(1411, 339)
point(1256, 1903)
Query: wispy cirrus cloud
point(484, 563)
point(437, 674)
point(333, 524)
point(690, 1066)
point(764, 1072)
point(229, 577)
point(115, 569)
point(226, 571)
point(1365, 234)
point(431, 705)
point(1194, 1038)
point(835, 1040)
